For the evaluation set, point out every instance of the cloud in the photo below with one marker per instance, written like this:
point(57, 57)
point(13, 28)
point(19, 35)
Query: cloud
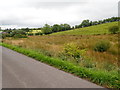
point(35, 13)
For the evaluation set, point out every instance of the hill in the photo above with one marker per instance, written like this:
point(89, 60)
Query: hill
point(92, 30)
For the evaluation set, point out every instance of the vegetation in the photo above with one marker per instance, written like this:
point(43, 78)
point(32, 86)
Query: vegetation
point(47, 29)
point(86, 23)
point(114, 29)
point(89, 52)
point(75, 49)
point(14, 33)
point(91, 30)
point(62, 27)
point(102, 46)
point(100, 77)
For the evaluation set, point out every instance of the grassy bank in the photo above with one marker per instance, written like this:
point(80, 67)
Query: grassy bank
point(100, 77)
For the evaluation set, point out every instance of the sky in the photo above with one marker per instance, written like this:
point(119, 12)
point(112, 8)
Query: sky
point(36, 13)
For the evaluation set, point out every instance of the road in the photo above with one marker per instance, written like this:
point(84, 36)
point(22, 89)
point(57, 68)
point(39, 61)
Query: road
point(20, 71)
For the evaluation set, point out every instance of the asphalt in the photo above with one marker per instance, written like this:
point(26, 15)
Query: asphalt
point(20, 71)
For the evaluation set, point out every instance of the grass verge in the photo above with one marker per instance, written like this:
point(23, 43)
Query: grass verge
point(102, 78)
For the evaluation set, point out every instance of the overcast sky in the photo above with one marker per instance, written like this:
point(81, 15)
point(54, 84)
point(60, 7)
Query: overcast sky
point(35, 13)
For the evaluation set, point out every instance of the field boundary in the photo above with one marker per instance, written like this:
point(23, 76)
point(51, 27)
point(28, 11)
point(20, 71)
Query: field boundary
point(102, 78)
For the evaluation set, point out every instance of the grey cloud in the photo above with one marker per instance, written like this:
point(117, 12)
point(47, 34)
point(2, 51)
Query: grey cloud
point(27, 12)
point(53, 5)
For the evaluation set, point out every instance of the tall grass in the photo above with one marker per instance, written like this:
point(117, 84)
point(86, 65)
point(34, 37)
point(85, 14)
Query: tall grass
point(100, 77)
point(54, 46)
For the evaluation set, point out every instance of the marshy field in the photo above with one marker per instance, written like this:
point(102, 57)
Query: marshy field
point(54, 46)
point(67, 46)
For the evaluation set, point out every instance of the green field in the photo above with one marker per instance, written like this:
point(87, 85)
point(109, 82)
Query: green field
point(35, 31)
point(92, 30)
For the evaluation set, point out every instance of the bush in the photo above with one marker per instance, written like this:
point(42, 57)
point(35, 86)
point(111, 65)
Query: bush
point(114, 29)
point(30, 34)
point(19, 36)
point(102, 46)
point(72, 50)
point(2, 36)
point(39, 33)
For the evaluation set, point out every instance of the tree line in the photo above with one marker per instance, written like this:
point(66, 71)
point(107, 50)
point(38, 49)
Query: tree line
point(86, 23)
point(47, 29)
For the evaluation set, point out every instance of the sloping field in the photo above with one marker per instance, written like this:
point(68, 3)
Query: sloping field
point(97, 29)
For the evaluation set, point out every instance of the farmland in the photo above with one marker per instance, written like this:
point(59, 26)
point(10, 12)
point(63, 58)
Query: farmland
point(76, 47)
point(53, 45)
point(34, 31)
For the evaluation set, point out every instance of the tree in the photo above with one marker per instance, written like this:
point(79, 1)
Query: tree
point(100, 22)
point(94, 23)
point(90, 23)
point(85, 23)
point(73, 27)
point(47, 29)
point(67, 27)
point(56, 28)
point(76, 26)
point(25, 29)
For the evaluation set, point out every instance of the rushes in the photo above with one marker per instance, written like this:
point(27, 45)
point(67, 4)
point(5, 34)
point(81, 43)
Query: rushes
point(55, 46)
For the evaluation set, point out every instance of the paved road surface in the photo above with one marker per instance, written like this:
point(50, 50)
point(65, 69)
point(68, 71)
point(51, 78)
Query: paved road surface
point(20, 71)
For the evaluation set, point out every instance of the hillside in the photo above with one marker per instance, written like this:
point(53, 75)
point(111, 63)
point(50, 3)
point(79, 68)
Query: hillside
point(97, 29)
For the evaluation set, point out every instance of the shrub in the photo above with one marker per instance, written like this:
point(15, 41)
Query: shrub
point(2, 36)
point(102, 46)
point(114, 29)
point(30, 34)
point(72, 49)
point(73, 52)
point(19, 36)
point(39, 33)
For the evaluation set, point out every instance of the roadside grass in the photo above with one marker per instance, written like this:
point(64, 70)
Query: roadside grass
point(101, 77)
point(91, 30)
point(54, 46)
